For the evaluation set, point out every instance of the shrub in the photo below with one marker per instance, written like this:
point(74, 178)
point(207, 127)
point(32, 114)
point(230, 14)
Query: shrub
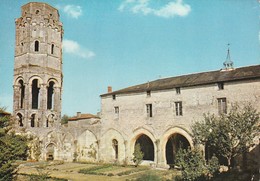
point(138, 155)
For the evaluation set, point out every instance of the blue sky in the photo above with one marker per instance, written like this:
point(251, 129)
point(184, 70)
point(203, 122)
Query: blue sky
point(126, 42)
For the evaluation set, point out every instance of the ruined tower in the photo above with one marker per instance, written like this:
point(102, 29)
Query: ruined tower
point(38, 67)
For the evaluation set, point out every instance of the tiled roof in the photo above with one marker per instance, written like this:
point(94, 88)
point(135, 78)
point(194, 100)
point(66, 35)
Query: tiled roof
point(83, 116)
point(2, 112)
point(243, 73)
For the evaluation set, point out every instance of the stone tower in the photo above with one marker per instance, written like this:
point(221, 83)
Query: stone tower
point(38, 67)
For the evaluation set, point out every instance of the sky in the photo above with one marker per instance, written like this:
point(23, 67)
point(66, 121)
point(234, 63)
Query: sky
point(121, 43)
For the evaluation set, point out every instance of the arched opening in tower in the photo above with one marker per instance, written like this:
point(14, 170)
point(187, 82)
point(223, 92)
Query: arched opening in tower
point(174, 143)
point(36, 46)
point(20, 119)
point(50, 95)
point(33, 120)
point(35, 94)
point(147, 147)
point(22, 88)
point(52, 48)
point(115, 147)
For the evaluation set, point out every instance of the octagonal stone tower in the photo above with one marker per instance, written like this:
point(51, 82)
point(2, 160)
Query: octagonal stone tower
point(38, 67)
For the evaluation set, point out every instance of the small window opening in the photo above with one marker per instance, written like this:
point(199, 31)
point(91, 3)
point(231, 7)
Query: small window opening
point(114, 97)
point(36, 46)
point(33, 120)
point(148, 93)
point(220, 86)
point(52, 49)
point(20, 119)
point(37, 12)
point(50, 95)
point(178, 90)
point(178, 108)
point(116, 110)
point(222, 105)
point(115, 146)
point(35, 94)
point(22, 88)
point(149, 110)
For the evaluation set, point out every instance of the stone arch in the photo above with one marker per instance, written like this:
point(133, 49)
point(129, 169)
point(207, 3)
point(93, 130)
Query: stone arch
point(143, 136)
point(35, 84)
point(19, 118)
point(113, 146)
point(171, 141)
point(50, 120)
point(33, 120)
point(50, 149)
point(87, 146)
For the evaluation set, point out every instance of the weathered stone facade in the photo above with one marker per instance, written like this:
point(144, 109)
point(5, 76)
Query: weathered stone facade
point(157, 114)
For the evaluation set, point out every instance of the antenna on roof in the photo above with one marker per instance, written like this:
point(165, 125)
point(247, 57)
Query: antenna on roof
point(228, 64)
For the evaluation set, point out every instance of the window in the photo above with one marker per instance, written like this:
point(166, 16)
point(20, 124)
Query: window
point(50, 95)
point(222, 105)
point(148, 93)
point(220, 86)
point(115, 146)
point(52, 48)
point(178, 90)
point(33, 120)
point(21, 91)
point(178, 108)
point(116, 110)
point(149, 110)
point(36, 46)
point(35, 94)
point(20, 119)
point(114, 97)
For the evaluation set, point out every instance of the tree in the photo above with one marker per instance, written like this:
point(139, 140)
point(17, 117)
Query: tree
point(64, 119)
point(228, 135)
point(12, 147)
point(138, 155)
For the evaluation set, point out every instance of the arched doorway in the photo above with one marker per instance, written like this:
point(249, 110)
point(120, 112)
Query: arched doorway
point(50, 152)
point(174, 143)
point(147, 147)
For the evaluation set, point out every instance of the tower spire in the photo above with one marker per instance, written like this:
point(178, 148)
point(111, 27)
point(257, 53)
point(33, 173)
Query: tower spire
point(228, 64)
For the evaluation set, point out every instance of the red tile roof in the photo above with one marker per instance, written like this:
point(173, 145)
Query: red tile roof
point(82, 116)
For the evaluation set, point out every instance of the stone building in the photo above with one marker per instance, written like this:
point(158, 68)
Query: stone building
point(157, 114)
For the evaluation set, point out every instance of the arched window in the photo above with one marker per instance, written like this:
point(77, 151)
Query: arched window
point(21, 91)
point(50, 95)
point(36, 46)
point(33, 120)
point(115, 146)
point(35, 94)
point(52, 48)
point(20, 119)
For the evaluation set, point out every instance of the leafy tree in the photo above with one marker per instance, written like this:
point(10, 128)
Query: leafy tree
point(12, 147)
point(64, 119)
point(138, 155)
point(228, 135)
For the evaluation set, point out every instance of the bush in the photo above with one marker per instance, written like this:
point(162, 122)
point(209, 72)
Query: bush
point(138, 155)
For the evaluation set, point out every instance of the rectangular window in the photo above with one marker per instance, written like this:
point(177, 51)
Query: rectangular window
point(149, 110)
point(178, 108)
point(148, 93)
point(116, 110)
point(114, 97)
point(220, 86)
point(178, 90)
point(222, 105)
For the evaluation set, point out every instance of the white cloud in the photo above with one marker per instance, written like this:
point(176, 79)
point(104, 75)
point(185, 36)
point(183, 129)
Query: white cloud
point(170, 10)
point(72, 11)
point(72, 47)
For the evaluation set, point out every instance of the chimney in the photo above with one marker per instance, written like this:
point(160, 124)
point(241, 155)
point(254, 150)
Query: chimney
point(109, 89)
point(78, 114)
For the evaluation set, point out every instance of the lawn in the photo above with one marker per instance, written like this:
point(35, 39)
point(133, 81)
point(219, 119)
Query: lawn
point(90, 171)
